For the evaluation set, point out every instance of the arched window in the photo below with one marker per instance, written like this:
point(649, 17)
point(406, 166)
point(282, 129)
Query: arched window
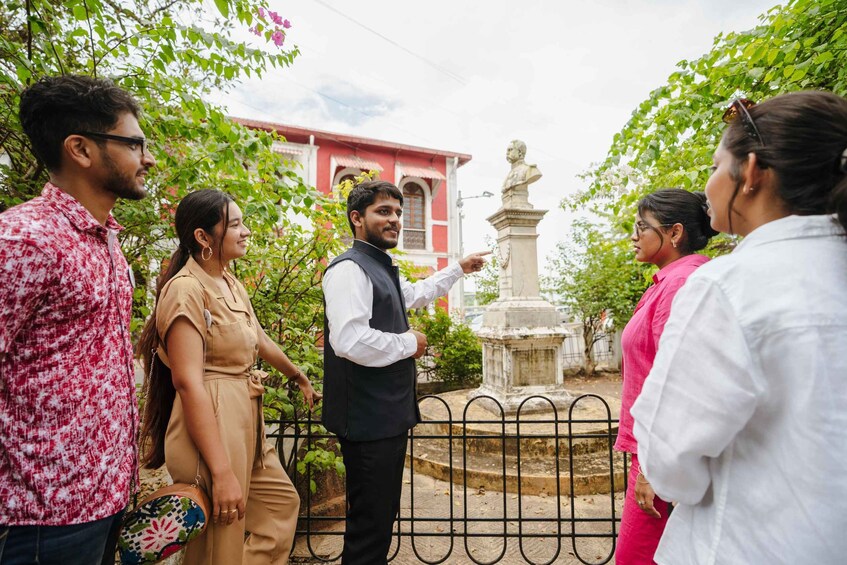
point(414, 217)
point(346, 173)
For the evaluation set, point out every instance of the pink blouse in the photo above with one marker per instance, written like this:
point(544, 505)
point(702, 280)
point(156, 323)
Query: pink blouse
point(640, 338)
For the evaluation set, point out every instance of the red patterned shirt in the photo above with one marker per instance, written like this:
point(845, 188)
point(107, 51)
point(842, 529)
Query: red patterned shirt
point(68, 414)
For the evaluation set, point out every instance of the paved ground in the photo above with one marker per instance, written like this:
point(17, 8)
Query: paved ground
point(432, 499)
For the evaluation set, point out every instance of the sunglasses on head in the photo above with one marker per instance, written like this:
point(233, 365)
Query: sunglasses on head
point(740, 107)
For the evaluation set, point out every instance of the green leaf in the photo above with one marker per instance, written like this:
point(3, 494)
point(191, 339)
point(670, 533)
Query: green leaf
point(80, 12)
point(798, 75)
point(223, 7)
point(824, 57)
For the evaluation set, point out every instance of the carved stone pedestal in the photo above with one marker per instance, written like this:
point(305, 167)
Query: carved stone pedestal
point(521, 335)
point(518, 363)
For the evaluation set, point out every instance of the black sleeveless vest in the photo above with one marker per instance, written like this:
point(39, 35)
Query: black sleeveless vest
point(369, 403)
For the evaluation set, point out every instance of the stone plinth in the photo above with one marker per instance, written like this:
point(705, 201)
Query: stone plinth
point(519, 362)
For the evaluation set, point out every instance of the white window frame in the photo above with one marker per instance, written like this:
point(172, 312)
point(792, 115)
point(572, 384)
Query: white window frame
point(427, 191)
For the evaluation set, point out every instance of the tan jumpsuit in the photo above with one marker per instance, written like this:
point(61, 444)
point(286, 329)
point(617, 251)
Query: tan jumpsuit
point(231, 344)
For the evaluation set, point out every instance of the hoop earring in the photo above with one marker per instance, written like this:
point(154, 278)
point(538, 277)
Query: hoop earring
point(203, 253)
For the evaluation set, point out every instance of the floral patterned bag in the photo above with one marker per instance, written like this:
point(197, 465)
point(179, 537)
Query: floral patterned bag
point(163, 523)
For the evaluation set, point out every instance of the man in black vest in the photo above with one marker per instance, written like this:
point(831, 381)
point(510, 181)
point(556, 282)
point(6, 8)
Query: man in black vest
point(369, 364)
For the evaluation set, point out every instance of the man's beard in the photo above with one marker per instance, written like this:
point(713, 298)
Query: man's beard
point(121, 184)
point(376, 238)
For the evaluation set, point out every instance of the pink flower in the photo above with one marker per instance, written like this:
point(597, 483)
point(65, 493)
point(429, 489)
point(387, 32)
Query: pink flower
point(255, 30)
point(286, 24)
point(277, 19)
point(278, 37)
point(160, 532)
point(262, 13)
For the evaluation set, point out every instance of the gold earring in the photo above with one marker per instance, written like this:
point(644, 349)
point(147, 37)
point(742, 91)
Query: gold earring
point(673, 243)
point(203, 253)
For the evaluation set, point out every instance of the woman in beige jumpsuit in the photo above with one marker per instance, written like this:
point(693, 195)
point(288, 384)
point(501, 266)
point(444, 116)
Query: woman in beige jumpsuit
point(207, 340)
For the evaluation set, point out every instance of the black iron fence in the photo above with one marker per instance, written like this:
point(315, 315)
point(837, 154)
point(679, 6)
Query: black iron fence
point(483, 486)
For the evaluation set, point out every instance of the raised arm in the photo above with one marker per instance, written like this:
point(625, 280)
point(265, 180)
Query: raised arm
point(423, 292)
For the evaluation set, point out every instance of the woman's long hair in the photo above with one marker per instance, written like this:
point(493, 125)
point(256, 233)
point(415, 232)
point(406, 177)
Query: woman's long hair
point(202, 209)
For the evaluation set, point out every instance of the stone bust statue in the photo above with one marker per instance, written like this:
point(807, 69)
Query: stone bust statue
point(520, 176)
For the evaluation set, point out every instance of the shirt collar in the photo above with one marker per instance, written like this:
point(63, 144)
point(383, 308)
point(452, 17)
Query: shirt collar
point(693, 259)
point(792, 227)
point(75, 212)
point(212, 286)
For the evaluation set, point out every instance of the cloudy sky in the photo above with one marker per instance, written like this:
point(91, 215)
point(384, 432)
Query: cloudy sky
point(469, 76)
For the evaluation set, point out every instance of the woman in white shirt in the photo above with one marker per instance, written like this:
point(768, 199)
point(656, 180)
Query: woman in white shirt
point(743, 418)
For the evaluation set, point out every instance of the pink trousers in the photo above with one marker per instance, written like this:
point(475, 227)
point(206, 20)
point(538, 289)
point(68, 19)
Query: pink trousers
point(640, 533)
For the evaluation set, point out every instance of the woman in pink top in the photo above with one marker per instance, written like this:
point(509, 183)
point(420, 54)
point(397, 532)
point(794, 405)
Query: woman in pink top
point(670, 226)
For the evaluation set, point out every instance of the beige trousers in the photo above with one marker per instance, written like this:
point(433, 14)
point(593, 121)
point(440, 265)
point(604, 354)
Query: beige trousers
point(272, 503)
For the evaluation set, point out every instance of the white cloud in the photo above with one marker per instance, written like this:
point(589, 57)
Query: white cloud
point(562, 76)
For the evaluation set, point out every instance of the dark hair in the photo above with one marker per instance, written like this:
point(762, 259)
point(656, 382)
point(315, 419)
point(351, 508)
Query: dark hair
point(677, 206)
point(55, 107)
point(202, 209)
point(364, 194)
point(804, 135)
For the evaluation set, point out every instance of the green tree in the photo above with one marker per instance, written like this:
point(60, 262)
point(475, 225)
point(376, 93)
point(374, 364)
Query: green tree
point(598, 280)
point(669, 140)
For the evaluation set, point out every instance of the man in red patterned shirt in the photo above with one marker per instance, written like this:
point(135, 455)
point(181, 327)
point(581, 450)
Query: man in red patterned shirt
point(68, 415)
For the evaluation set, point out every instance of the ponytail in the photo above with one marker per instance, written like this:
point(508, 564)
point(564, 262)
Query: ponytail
point(158, 390)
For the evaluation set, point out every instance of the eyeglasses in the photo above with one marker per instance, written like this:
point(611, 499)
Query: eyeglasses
point(640, 227)
point(740, 107)
point(132, 142)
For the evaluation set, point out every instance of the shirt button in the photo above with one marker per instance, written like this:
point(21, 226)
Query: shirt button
point(250, 323)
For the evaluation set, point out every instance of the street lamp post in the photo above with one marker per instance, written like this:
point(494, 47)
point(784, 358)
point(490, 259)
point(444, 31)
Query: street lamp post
point(460, 200)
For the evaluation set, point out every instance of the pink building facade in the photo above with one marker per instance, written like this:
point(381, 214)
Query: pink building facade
point(427, 177)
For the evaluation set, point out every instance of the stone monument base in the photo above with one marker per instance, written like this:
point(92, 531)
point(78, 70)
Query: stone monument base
point(519, 362)
point(519, 315)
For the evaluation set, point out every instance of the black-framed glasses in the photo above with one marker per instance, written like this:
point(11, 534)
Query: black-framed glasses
point(741, 107)
point(640, 227)
point(132, 142)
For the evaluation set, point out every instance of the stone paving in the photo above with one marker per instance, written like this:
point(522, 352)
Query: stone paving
point(432, 499)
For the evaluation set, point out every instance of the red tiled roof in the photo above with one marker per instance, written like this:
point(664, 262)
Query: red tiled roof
point(356, 162)
point(422, 172)
point(287, 131)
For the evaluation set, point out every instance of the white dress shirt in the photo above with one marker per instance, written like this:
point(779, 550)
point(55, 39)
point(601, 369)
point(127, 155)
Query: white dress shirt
point(743, 418)
point(348, 293)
